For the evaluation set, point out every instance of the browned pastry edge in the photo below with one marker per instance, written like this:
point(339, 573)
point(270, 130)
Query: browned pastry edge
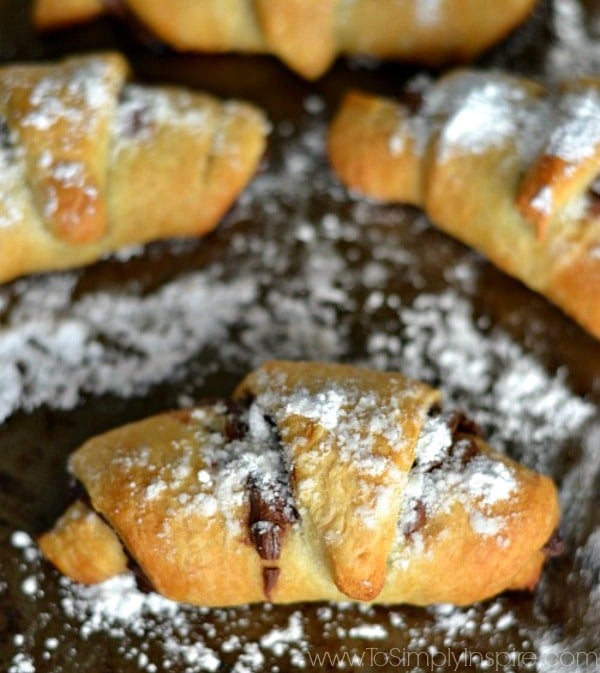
point(278, 553)
point(94, 164)
point(480, 197)
point(308, 34)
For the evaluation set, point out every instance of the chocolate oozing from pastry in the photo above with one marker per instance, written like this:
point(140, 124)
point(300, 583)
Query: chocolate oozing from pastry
point(137, 120)
point(463, 430)
point(555, 546)
point(270, 577)
point(593, 207)
point(5, 136)
point(236, 425)
point(460, 423)
point(140, 31)
point(412, 100)
point(270, 511)
point(270, 517)
point(418, 521)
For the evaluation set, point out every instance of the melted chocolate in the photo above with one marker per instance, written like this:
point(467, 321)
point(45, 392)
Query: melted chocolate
point(460, 423)
point(139, 30)
point(555, 546)
point(5, 139)
point(270, 577)
point(593, 208)
point(138, 119)
point(236, 426)
point(466, 448)
point(418, 521)
point(463, 431)
point(269, 519)
point(412, 101)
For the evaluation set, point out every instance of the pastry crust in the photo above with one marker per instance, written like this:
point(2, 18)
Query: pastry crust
point(51, 13)
point(83, 545)
point(318, 482)
point(308, 34)
point(496, 161)
point(90, 164)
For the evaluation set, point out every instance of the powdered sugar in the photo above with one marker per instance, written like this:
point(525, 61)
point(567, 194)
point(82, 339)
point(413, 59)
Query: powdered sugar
point(312, 294)
point(86, 92)
point(323, 407)
point(575, 49)
point(428, 12)
point(484, 118)
point(543, 201)
point(504, 388)
point(142, 110)
point(11, 177)
point(578, 136)
point(445, 475)
point(83, 350)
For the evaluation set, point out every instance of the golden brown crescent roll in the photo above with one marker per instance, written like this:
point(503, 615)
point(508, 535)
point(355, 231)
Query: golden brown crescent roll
point(501, 163)
point(89, 163)
point(308, 34)
point(316, 482)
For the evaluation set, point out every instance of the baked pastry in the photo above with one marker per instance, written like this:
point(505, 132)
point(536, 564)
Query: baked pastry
point(308, 34)
point(89, 164)
point(316, 482)
point(501, 163)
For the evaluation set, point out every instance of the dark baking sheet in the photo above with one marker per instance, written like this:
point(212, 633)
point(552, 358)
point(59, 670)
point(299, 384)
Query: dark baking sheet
point(298, 269)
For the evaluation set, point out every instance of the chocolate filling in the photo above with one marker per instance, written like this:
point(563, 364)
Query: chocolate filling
point(463, 431)
point(5, 140)
point(594, 198)
point(270, 577)
point(418, 521)
point(555, 546)
point(138, 118)
point(236, 426)
point(460, 423)
point(139, 30)
point(412, 100)
point(269, 519)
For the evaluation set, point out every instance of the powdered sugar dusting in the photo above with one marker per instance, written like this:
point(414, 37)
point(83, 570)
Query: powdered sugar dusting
point(144, 340)
point(485, 118)
point(11, 177)
point(428, 12)
point(444, 475)
point(141, 110)
point(578, 136)
point(543, 201)
point(505, 389)
point(480, 111)
point(316, 295)
point(576, 48)
point(86, 93)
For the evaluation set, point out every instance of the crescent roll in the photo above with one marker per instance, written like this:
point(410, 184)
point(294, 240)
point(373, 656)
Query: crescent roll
point(315, 482)
point(308, 34)
point(89, 163)
point(501, 163)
